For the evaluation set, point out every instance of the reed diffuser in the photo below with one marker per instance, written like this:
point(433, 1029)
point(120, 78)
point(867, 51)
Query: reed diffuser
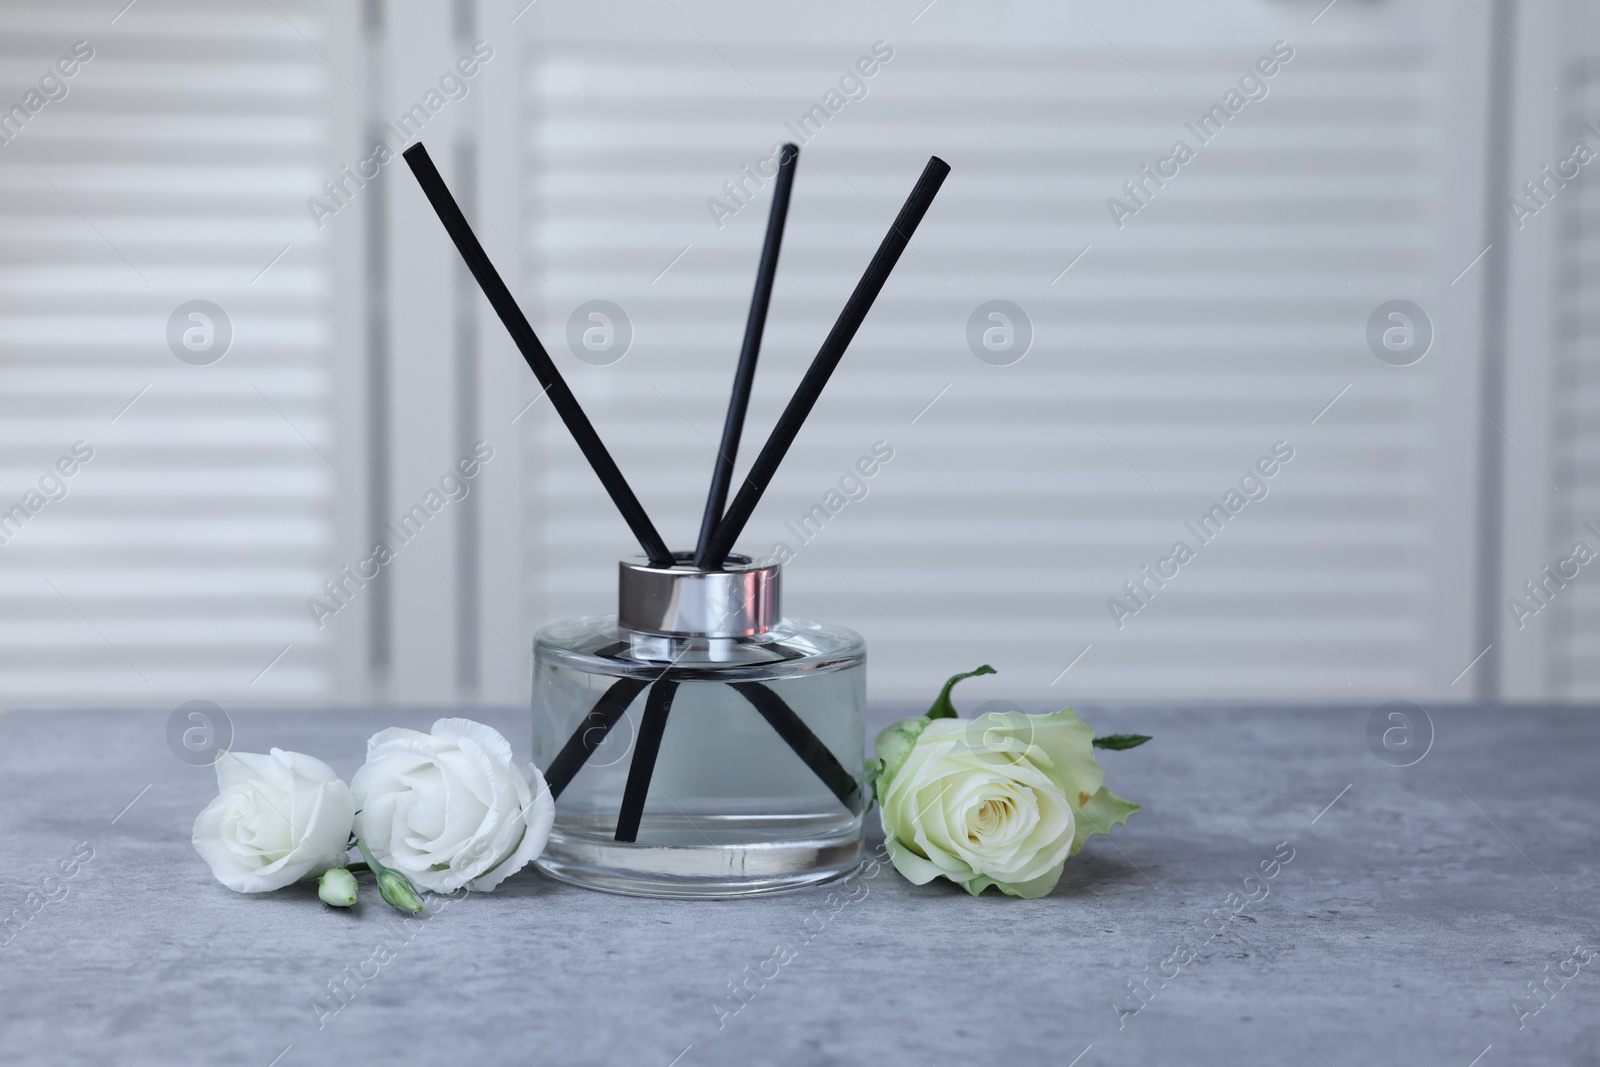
point(697, 742)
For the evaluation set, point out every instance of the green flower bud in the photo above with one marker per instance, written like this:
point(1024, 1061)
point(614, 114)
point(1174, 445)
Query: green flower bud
point(337, 887)
point(398, 890)
point(395, 887)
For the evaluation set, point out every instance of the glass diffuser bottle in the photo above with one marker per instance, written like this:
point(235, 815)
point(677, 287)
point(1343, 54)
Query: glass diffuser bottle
point(699, 744)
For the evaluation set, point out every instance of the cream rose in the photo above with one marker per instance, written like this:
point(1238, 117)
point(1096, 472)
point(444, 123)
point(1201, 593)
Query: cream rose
point(1000, 800)
point(277, 819)
point(448, 808)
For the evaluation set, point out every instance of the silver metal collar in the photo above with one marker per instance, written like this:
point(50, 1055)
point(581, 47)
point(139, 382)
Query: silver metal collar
point(681, 601)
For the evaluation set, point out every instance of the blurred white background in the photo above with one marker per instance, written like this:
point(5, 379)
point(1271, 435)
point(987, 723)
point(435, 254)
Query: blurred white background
point(1162, 349)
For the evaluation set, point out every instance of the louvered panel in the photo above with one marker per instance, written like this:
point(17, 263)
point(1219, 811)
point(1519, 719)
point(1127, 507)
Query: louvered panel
point(1574, 670)
point(177, 168)
point(1222, 318)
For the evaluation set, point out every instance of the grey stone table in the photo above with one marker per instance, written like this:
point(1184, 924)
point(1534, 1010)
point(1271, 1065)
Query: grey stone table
point(1418, 906)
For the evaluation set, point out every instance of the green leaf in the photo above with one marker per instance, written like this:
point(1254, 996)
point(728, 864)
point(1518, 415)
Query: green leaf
point(1121, 741)
point(942, 708)
point(874, 768)
point(1103, 811)
point(892, 747)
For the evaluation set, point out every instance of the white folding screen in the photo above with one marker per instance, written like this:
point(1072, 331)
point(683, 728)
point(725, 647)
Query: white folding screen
point(154, 157)
point(1546, 597)
point(1181, 321)
point(1226, 313)
point(1573, 629)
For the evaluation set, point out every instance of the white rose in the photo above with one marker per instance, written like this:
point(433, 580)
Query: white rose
point(449, 808)
point(277, 819)
point(1001, 800)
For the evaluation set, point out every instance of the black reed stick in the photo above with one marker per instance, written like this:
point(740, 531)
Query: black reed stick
point(657, 703)
point(822, 367)
point(566, 405)
point(806, 744)
point(745, 374)
point(591, 731)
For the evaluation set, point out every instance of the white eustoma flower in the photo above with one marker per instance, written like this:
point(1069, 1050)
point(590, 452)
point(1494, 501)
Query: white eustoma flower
point(277, 819)
point(1001, 800)
point(449, 808)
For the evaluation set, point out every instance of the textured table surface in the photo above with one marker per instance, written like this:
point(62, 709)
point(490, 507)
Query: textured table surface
point(1419, 905)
